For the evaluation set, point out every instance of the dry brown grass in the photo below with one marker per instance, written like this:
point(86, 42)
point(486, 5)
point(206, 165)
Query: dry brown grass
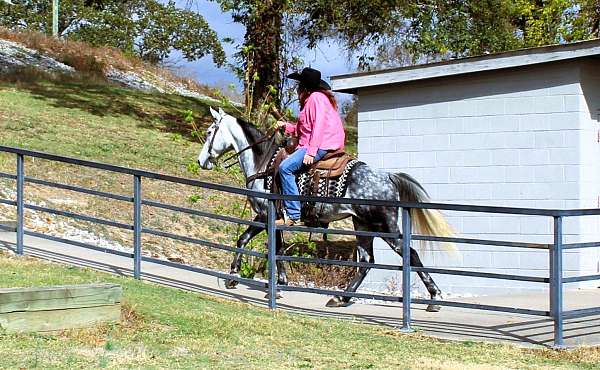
point(92, 60)
point(579, 355)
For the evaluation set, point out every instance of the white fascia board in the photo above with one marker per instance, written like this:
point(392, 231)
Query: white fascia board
point(525, 57)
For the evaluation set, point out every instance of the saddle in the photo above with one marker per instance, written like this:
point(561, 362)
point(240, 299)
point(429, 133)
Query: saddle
point(331, 166)
point(324, 178)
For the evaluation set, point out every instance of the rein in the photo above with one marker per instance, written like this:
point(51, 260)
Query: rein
point(264, 163)
point(237, 154)
point(231, 159)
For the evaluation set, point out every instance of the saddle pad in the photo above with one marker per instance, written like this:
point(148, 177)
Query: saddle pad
point(328, 187)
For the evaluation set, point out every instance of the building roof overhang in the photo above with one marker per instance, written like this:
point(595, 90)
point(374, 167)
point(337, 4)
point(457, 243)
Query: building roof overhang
point(351, 83)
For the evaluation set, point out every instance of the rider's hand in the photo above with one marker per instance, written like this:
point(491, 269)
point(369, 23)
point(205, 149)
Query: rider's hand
point(308, 159)
point(281, 124)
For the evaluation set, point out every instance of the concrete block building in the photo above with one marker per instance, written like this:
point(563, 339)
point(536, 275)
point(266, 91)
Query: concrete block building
point(517, 129)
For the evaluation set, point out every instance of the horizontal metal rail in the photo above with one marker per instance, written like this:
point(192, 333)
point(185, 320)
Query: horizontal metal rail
point(499, 243)
point(581, 245)
point(489, 275)
point(484, 307)
point(433, 270)
point(8, 228)
point(583, 312)
point(203, 214)
point(204, 243)
point(322, 261)
point(8, 202)
point(136, 172)
point(264, 195)
point(80, 217)
point(320, 230)
point(10, 176)
point(579, 212)
point(78, 244)
point(580, 278)
point(78, 189)
point(380, 297)
point(241, 280)
point(414, 205)
point(415, 300)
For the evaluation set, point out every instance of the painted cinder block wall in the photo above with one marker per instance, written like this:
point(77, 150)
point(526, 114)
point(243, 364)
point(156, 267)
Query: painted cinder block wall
point(522, 137)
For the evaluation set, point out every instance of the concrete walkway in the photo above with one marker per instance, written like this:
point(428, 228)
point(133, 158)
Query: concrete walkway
point(450, 323)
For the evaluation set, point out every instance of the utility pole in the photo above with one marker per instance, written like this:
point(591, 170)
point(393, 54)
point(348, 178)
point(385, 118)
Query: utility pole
point(55, 18)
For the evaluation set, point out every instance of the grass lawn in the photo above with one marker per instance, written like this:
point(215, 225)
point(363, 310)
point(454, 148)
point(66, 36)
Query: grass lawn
point(100, 122)
point(169, 328)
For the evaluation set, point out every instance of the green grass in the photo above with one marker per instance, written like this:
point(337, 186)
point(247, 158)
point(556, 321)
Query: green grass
point(170, 328)
point(100, 122)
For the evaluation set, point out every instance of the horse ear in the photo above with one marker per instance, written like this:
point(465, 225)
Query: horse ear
point(222, 112)
point(214, 113)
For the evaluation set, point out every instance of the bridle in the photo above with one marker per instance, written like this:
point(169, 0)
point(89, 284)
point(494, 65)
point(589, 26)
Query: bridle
point(236, 154)
point(212, 139)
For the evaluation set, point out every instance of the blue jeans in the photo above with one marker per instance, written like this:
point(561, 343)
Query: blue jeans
point(287, 172)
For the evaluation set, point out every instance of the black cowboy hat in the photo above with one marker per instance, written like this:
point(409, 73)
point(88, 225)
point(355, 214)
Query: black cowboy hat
point(311, 78)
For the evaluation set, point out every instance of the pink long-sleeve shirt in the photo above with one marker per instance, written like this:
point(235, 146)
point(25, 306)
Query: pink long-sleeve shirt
point(319, 125)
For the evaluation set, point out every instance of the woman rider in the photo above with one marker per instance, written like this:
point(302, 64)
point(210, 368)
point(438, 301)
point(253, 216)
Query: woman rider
point(319, 130)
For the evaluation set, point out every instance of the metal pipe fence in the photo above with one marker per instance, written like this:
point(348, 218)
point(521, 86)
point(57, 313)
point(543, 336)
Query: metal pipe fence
point(556, 280)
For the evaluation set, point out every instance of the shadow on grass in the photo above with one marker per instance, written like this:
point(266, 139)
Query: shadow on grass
point(100, 98)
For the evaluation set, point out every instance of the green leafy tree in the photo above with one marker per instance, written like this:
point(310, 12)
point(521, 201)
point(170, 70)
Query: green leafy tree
point(260, 55)
point(398, 32)
point(414, 31)
point(583, 20)
point(146, 28)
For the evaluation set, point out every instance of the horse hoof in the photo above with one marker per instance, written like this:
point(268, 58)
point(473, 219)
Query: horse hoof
point(433, 308)
point(231, 284)
point(278, 295)
point(337, 302)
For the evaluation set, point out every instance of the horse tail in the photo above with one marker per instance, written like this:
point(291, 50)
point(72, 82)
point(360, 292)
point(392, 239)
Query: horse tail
point(424, 221)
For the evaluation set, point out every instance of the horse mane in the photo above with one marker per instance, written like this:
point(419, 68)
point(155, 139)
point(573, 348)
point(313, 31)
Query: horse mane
point(254, 134)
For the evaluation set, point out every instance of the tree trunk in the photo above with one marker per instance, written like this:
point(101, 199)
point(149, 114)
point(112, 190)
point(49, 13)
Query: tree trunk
point(263, 40)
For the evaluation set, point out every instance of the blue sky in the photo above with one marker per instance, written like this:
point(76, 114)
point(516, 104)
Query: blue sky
point(328, 58)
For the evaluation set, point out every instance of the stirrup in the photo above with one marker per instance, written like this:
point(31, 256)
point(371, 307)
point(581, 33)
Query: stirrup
point(288, 222)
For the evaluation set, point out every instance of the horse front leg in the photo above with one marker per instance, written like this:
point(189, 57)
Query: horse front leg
point(281, 269)
point(365, 251)
point(279, 265)
point(242, 241)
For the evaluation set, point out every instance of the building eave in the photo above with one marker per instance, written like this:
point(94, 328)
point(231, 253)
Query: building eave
point(351, 83)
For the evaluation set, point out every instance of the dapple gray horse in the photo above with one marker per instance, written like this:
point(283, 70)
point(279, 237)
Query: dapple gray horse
point(228, 133)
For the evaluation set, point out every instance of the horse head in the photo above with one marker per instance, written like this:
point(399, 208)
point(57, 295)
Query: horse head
point(218, 139)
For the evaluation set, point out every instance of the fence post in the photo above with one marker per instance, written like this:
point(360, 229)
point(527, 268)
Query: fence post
point(137, 226)
point(406, 237)
point(556, 286)
point(271, 243)
point(20, 202)
point(55, 11)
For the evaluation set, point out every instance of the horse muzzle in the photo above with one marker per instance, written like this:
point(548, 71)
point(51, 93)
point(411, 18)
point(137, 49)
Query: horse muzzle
point(206, 165)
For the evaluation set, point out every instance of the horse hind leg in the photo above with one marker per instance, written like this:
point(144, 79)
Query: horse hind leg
point(365, 251)
point(415, 261)
point(431, 286)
